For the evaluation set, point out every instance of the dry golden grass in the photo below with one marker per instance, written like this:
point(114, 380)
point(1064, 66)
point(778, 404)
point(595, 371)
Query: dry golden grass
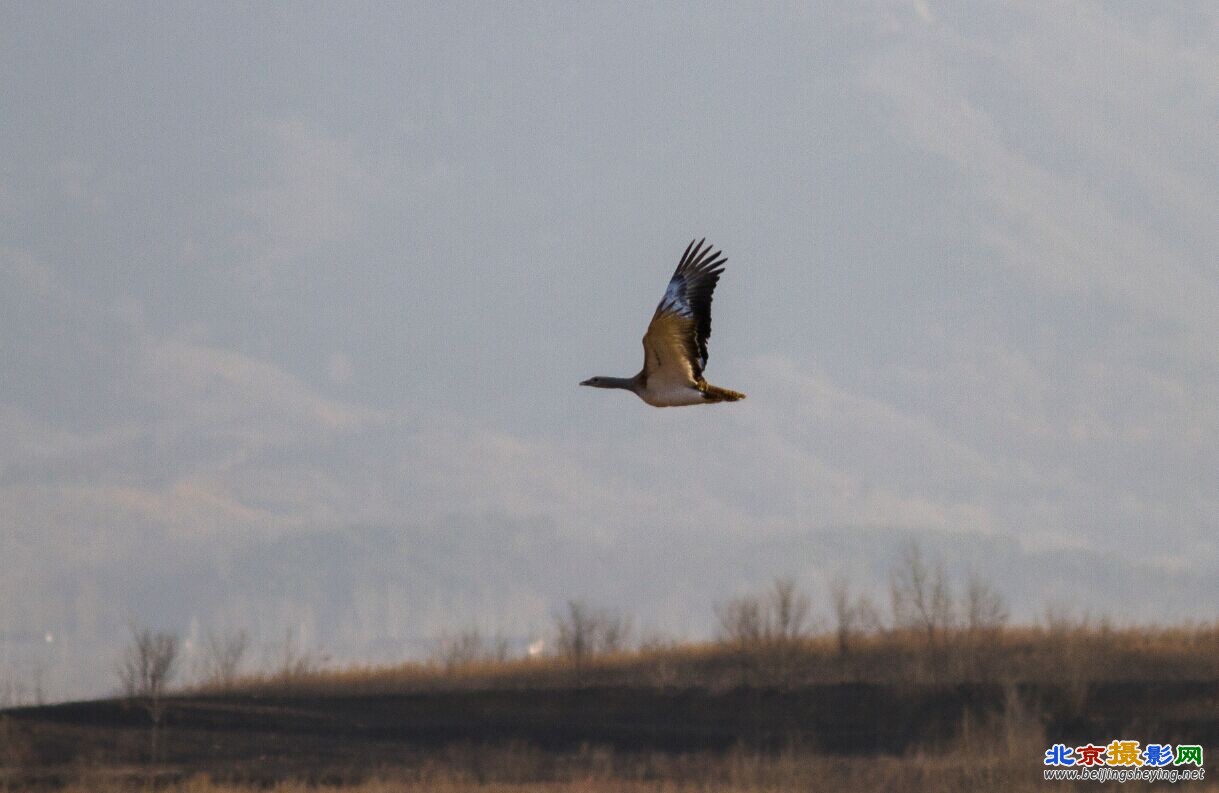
point(998, 752)
point(1074, 654)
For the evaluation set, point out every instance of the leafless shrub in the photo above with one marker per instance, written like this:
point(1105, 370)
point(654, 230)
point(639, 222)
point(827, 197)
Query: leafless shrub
point(922, 601)
point(1069, 657)
point(653, 640)
point(1061, 665)
point(985, 610)
point(148, 664)
point(145, 672)
point(868, 615)
point(921, 595)
point(742, 624)
point(765, 631)
point(584, 631)
point(787, 629)
point(742, 621)
point(575, 631)
point(985, 615)
point(222, 657)
point(295, 661)
point(470, 647)
point(787, 612)
point(780, 614)
point(615, 633)
point(854, 615)
point(846, 619)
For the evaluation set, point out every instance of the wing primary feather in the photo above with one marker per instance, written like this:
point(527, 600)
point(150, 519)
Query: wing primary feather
point(688, 260)
point(685, 256)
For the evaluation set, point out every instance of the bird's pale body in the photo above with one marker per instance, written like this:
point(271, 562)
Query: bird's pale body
point(672, 395)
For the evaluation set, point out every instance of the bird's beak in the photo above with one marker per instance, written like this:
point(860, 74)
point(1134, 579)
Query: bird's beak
point(586, 382)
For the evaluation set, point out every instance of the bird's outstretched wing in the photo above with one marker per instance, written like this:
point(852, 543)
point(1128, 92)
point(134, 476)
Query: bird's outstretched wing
point(675, 345)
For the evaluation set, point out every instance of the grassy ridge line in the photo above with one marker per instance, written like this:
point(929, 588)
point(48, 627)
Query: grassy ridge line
point(1074, 657)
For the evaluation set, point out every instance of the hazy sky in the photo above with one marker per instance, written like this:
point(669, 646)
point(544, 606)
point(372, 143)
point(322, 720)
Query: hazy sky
point(294, 301)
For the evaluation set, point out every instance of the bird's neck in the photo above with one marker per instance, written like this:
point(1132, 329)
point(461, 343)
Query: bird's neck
point(625, 383)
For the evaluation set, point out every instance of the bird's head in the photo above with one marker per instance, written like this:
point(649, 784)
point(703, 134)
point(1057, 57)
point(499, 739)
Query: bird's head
point(595, 382)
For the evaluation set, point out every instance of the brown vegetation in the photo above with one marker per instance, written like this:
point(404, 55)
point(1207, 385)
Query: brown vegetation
point(939, 693)
point(1002, 765)
point(1001, 754)
point(524, 725)
point(584, 632)
point(148, 666)
point(1085, 652)
point(223, 653)
point(936, 632)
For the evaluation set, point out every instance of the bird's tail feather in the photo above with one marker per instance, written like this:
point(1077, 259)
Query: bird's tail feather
point(713, 393)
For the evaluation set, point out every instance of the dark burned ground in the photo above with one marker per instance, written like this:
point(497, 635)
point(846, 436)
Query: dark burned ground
point(273, 737)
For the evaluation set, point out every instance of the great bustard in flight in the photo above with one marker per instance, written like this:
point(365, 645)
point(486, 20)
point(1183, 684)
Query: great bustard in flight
point(675, 345)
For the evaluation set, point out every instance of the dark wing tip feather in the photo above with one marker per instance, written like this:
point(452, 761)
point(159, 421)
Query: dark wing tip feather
point(698, 259)
point(685, 256)
point(699, 271)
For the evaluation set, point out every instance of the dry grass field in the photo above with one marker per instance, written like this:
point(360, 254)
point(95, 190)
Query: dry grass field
point(1075, 654)
point(887, 711)
point(942, 695)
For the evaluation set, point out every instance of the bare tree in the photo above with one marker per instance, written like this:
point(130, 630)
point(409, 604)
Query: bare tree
point(854, 616)
point(297, 661)
point(222, 657)
point(148, 664)
point(787, 615)
point(765, 630)
point(614, 633)
point(1072, 661)
point(470, 647)
point(984, 614)
point(787, 612)
point(742, 621)
point(921, 595)
point(985, 610)
point(846, 614)
point(743, 628)
point(776, 616)
point(923, 603)
point(584, 631)
point(575, 631)
point(145, 672)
